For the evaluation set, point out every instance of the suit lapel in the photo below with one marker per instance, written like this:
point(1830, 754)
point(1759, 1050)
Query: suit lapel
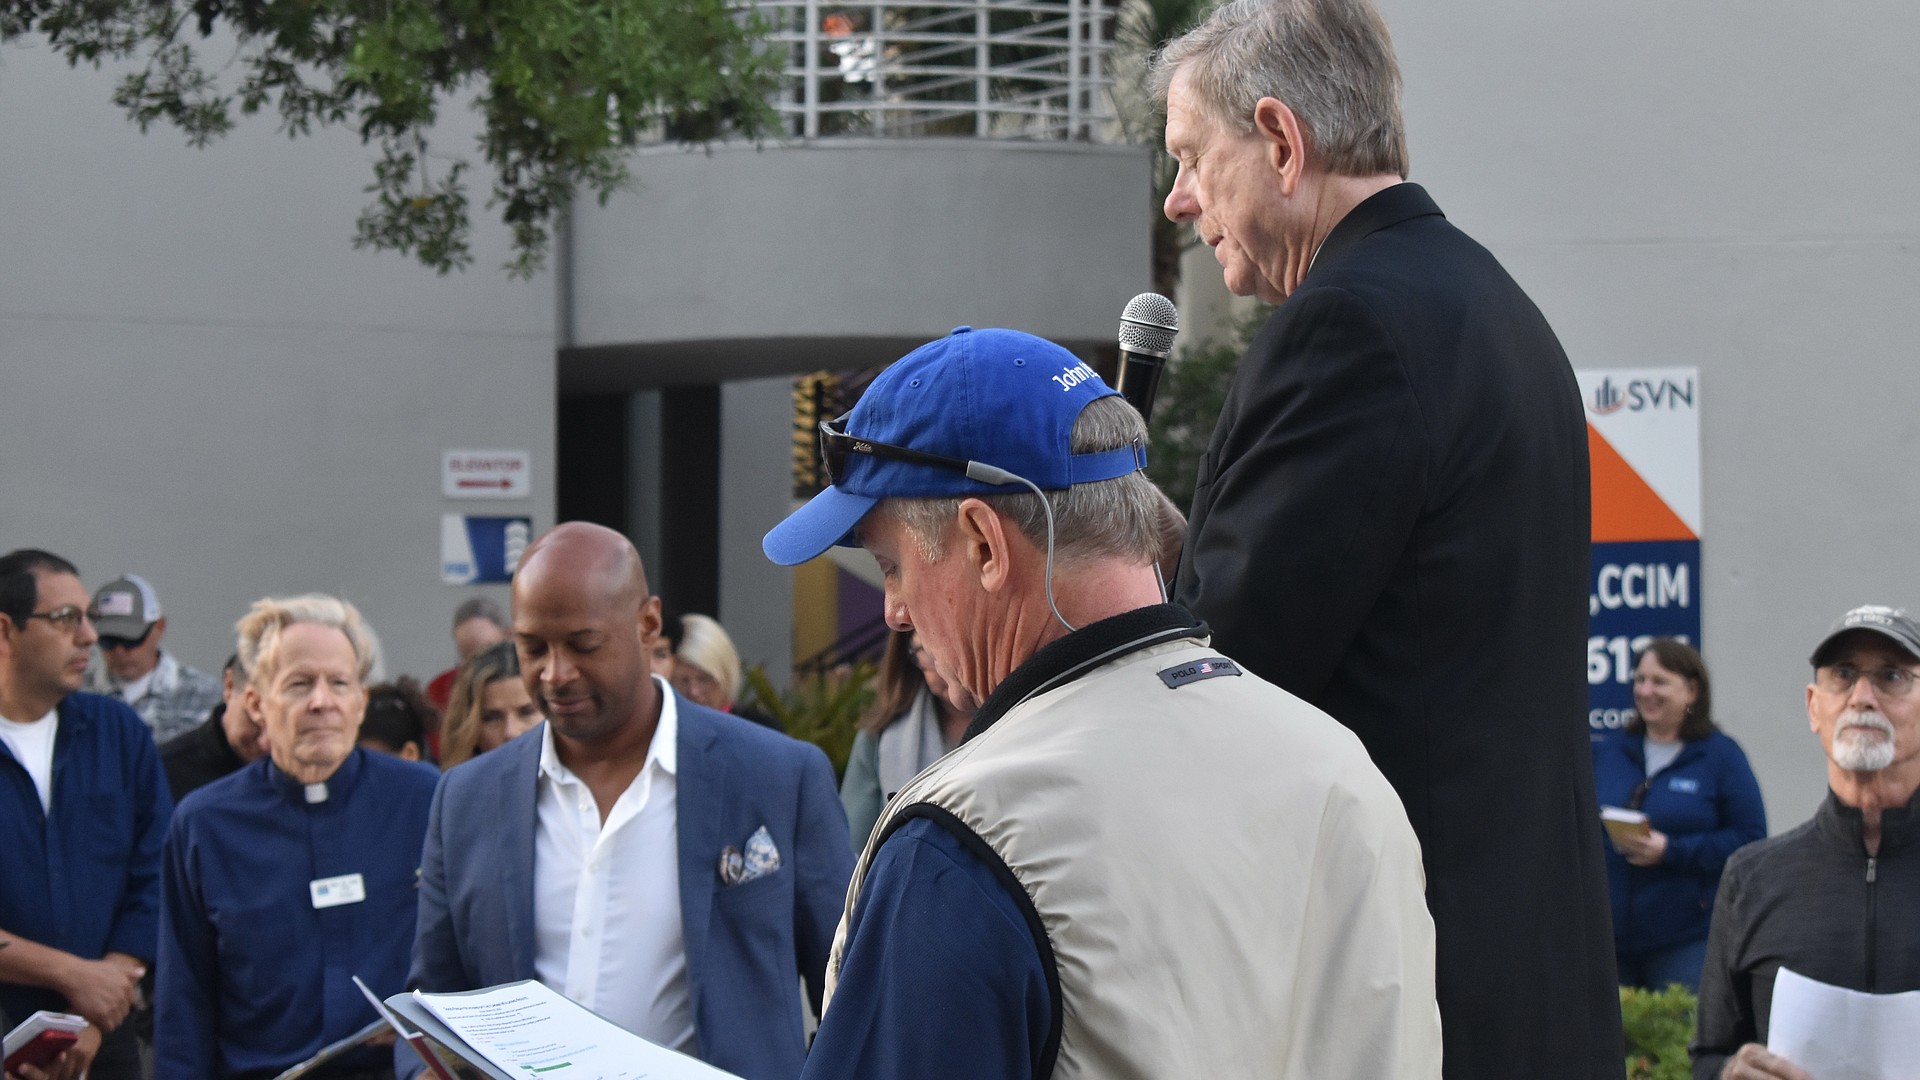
point(519, 817)
point(700, 796)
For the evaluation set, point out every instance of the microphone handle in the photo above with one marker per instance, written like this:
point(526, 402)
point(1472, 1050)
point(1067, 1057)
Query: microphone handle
point(1139, 380)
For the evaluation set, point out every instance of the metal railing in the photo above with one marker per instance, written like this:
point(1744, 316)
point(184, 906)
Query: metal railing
point(1005, 69)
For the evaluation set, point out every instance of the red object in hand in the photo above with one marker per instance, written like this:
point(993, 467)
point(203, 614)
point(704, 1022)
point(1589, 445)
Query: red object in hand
point(42, 1050)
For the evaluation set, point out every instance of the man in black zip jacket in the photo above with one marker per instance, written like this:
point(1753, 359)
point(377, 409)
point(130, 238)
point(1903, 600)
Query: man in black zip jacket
point(1837, 899)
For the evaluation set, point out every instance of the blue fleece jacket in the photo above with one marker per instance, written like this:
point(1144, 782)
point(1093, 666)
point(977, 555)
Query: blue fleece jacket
point(1708, 804)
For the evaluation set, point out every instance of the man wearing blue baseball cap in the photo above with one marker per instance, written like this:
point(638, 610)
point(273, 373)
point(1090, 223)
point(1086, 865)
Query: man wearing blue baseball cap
point(1140, 861)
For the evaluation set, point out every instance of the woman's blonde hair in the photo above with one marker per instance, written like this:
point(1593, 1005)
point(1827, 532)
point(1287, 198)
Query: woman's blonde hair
point(705, 645)
point(261, 628)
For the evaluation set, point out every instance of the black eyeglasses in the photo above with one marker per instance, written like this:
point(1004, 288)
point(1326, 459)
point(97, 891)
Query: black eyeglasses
point(1891, 682)
point(110, 641)
point(66, 619)
point(836, 444)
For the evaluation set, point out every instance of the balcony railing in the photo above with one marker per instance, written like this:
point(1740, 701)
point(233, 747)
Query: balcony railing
point(1004, 69)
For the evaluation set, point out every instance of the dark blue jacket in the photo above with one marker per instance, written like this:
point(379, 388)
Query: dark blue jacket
point(84, 878)
point(1708, 804)
point(749, 946)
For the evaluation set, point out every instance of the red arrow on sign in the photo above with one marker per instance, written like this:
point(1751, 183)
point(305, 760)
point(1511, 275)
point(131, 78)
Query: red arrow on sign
point(502, 484)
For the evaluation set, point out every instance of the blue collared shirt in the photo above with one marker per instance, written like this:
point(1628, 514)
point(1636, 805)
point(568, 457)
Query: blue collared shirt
point(84, 875)
point(941, 975)
point(253, 976)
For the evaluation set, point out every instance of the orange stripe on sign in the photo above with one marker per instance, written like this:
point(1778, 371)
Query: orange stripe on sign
point(1624, 507)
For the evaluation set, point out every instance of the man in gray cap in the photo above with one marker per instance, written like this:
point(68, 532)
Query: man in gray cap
point(170, 696)
point(1837, 899)
point(1141, 860)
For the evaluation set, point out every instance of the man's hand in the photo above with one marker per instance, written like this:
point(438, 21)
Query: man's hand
point(1754, 1063)
point(70, 1065)
point(102, 990)
point(1645, 850)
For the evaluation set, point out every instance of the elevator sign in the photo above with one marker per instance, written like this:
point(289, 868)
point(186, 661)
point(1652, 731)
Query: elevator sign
point(485, 474)
point(1643, 439)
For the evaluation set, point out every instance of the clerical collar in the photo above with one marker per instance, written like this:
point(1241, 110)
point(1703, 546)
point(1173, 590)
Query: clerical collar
point(1065, 659)
point(337, 786)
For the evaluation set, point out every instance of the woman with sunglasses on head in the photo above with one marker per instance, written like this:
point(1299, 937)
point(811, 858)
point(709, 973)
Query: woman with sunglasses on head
point(1701, 803)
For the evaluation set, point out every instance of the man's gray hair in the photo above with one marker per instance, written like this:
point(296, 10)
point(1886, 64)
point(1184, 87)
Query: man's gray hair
point(1330, 61)
point(260, 630)
point(479, 607)
point(1116, 518)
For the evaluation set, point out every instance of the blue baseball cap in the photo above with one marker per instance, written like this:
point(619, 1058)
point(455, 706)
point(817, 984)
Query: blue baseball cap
point(953, 418)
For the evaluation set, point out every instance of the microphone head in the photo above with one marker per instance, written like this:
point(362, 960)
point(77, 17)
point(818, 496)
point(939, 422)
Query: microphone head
point(1148, 324)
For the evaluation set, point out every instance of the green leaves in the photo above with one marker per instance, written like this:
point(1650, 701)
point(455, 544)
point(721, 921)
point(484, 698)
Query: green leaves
point(565, 89)
point(1658, 1024)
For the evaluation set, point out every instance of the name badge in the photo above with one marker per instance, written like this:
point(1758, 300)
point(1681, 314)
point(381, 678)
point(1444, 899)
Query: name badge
point(335, 891)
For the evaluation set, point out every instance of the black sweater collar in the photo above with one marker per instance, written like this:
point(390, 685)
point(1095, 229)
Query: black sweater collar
point(1066, 659)
point(1846, 826)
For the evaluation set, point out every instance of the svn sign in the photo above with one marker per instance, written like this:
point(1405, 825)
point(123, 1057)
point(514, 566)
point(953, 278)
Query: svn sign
point(485, 474)
point(1643, 441)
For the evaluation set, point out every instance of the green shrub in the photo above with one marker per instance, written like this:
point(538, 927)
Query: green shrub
point(1659, 1024)
point(823, 708)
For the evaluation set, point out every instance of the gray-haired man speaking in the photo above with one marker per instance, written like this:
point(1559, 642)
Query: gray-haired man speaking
point(1141, 861)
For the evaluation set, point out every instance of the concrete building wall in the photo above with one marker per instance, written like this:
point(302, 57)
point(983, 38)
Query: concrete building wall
point(745, 261)
point(202, 382)
point(1726, 185)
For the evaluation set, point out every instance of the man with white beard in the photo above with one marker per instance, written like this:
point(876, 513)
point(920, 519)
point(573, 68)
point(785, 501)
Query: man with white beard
point(1837, 899)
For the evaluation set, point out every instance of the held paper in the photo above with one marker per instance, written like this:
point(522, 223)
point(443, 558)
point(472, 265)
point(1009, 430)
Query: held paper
point(1839, 1034)
point(528, 1029)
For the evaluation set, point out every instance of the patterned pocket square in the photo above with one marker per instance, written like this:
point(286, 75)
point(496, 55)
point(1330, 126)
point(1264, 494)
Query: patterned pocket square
point(761, 858)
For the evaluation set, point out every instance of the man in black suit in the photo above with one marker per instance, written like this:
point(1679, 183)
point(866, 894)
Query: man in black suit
point(1392, 518)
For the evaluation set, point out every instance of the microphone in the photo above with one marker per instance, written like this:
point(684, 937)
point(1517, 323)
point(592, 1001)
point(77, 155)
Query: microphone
point(1147, 327)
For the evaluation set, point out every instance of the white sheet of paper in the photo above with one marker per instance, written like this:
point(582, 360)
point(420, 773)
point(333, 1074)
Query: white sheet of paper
point(527, 1028)
point(1839, 1034)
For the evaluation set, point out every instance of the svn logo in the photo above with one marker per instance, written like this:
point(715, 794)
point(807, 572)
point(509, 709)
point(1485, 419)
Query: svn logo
point(1641, 394)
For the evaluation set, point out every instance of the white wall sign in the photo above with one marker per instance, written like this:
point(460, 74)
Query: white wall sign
point(485, 474)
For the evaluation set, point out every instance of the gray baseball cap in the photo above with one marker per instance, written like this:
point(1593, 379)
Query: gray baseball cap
point(124, 607)
point(1891, 623)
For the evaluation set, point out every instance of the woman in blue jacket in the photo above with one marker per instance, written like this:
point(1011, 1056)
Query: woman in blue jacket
point(1701, 802)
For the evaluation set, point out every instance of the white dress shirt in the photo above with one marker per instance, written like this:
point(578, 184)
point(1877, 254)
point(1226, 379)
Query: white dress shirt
point(606, 898)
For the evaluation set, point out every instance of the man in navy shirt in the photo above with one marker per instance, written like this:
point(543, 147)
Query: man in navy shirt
point(289, 877)
point(83, 811)
point(1140, 861)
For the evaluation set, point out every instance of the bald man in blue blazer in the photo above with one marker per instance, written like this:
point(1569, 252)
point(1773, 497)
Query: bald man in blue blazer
point(676, 869)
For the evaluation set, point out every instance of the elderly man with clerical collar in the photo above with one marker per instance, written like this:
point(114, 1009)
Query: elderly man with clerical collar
point(1837, 899)
point(289, 877)
point(1141, 861)
point(83, 812)
point(170, 696)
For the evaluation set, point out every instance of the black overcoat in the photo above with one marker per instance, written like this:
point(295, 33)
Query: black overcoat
point(1392, 522)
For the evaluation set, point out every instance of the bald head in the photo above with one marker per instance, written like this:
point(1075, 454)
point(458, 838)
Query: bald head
point(584, 625)
point(583, 551)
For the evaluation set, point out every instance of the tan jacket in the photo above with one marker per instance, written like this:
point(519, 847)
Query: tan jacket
point(1228, 886)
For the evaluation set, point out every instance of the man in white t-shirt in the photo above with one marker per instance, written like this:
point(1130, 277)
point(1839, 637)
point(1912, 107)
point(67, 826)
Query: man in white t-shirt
point(83, 814)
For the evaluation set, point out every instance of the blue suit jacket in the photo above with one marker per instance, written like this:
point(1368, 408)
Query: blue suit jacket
point(748, 946)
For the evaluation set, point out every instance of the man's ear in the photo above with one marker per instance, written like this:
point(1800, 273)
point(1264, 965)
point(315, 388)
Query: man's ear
point(985, 542)
point(651, 621)
point(1286, 141)
point(159, 629)
point(7, 629)
point(250, 699)
point(1813, 724)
